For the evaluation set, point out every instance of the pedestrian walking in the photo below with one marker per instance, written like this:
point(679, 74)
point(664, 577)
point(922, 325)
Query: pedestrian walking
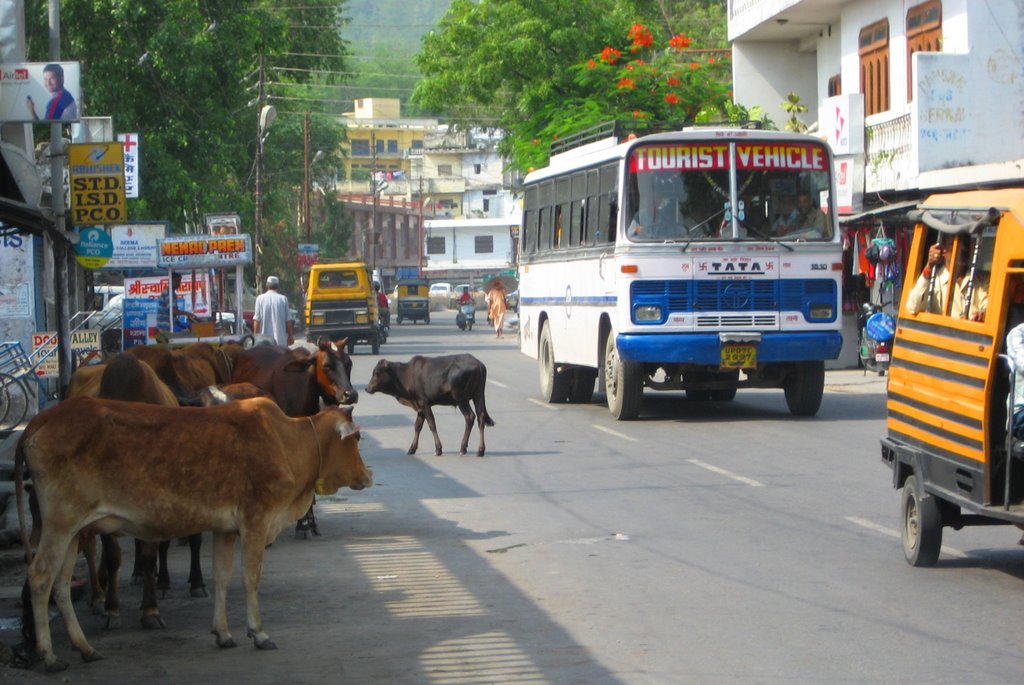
point(271, 317)
point(496, 306)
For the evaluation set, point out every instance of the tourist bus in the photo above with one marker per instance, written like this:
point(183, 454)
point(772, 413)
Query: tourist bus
point(703, 260)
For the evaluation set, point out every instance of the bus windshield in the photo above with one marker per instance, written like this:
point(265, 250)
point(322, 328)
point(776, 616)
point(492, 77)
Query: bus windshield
point(681, 191)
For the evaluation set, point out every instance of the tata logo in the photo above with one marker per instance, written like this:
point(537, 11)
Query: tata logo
point(737, 268)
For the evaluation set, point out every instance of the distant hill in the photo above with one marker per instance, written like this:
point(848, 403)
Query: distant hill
point(384, 36)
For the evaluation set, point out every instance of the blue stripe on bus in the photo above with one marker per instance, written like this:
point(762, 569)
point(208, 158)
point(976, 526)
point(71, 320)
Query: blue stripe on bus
point(705, 348)
point(592, 301)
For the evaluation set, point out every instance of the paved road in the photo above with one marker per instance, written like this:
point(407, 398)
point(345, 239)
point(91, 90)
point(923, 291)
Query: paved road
point(705, 543)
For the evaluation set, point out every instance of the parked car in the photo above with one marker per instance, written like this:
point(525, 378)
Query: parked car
point(441, 290)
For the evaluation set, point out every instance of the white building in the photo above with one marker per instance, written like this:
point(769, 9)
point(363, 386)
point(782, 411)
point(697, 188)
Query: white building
point(915, 96)
point(470, 249)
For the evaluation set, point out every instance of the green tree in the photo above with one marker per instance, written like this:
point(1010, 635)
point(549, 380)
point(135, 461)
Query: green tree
point(183, 74)
point(518, 65)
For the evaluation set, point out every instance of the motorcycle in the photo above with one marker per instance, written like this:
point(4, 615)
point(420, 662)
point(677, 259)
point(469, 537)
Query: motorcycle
point(383, 324)
point(466, 316)
point(877, 330)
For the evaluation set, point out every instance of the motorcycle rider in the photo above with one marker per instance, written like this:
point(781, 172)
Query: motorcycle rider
point(383, 310)
point(465, 296)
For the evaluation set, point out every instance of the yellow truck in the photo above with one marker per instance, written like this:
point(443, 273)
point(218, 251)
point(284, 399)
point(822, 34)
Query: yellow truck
point(341, 303)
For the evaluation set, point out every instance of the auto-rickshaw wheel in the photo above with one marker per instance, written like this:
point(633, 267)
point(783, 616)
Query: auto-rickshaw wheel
point(922, 525)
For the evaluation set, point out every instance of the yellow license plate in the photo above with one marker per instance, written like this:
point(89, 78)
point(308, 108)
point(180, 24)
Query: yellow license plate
point(739, 356)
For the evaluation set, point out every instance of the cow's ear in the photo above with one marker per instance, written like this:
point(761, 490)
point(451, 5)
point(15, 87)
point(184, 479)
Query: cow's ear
point(299, 365)
point(347, 428)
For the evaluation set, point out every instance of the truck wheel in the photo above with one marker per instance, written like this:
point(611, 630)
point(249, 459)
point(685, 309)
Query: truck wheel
point(623, 383)
point(374, 344)
point(922, 525)
point(554, 385)
point(804, 388)
point(351, 345)
point(426, 320)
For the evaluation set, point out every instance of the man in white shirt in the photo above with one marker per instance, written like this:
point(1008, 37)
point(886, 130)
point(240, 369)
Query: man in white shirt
point(271, 317)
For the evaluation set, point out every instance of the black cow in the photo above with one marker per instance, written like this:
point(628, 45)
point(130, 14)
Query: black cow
point(423, 382)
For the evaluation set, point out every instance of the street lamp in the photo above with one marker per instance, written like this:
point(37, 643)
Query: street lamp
point(266, 117)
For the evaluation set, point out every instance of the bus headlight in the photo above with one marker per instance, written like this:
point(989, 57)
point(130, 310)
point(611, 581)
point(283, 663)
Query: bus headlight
point(363, 316)
point(647, 313)
point(822, 312)
point(317, 319)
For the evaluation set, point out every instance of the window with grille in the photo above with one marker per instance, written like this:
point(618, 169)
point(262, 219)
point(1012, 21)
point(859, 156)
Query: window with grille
point(435, 245)
point(874, 67)
point(924, 34)
point(483, 244)
point(444, 169)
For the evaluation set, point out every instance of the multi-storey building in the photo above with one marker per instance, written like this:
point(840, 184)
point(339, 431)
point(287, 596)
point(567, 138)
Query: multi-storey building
point(421, 171)
point(915, 97)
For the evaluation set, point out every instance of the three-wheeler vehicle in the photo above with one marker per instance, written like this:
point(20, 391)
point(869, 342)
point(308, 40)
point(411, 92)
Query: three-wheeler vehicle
point(954, 386)
point(413, 298)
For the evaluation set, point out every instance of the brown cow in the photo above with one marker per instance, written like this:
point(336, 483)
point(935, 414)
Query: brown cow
point(297, 379)
point(422, 382)
point(188, 370)
point(250, 470)
point(222, 394)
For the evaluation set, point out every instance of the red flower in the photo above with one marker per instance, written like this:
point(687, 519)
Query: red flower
point(673, 81)
point(672, 99)
point(609, 55)
point(536, 142)
point(679, 42)
point(626, 82)
point(640, 36)
point(694, 65)
point(591, 63)
point(711, 60)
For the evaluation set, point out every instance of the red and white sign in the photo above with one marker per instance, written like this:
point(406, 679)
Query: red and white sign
point(752, 156)
point(46, 343)
point(130, 141)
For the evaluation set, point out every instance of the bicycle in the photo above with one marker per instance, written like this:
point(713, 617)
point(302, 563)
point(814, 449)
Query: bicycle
point(16, 395)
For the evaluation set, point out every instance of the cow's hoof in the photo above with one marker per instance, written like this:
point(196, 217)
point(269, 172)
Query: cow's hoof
point(462, 452)
point(412, 450)
point(199, 591)
point(89, 658)
point(153, 622)
point(113, 622)
point(265, 643)
point(479, 453)
point(437, 452)
point(224, 643)
point(56, 666)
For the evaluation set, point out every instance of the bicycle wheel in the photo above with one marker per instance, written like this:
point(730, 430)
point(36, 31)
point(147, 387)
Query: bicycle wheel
point(14, 400)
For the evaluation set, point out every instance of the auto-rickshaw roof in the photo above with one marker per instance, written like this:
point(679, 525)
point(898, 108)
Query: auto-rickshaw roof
point(980, 201)
point(412, 281)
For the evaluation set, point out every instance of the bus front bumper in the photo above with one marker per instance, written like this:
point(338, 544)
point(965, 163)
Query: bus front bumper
point(706, 348)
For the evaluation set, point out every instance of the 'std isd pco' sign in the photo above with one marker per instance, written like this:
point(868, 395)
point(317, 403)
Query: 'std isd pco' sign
point(97, 183)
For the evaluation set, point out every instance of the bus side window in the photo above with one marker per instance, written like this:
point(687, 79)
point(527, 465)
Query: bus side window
point(609, 209)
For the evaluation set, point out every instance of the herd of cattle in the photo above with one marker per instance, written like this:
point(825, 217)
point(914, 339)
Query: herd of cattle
point(246, 437)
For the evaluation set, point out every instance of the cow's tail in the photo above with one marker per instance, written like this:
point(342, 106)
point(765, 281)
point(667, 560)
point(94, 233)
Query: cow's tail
point(482, 406)
point(19, 493)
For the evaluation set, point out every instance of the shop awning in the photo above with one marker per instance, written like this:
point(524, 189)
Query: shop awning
point(895, 210)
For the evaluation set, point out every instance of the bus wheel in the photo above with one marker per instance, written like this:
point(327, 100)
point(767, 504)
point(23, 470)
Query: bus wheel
point(922, 525)
point(623, 383)
point(554, 385)
point(583, 379)
point(804, 388)
point(726, 394)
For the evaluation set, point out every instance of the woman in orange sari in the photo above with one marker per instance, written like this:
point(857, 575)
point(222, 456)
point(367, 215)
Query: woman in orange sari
point(496, 306)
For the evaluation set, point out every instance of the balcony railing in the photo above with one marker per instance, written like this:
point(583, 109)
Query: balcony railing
point(889, 163)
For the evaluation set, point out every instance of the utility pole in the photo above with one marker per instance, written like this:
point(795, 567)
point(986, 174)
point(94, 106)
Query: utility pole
point(373, 190)
point(420, 248)
point(61, 263)
point(305, 183)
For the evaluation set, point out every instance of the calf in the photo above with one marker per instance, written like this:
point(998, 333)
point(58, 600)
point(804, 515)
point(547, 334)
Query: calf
point(113, 466)
point(423, 382)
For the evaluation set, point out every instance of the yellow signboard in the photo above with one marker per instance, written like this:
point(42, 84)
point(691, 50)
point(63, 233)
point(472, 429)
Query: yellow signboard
point(97, 183)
